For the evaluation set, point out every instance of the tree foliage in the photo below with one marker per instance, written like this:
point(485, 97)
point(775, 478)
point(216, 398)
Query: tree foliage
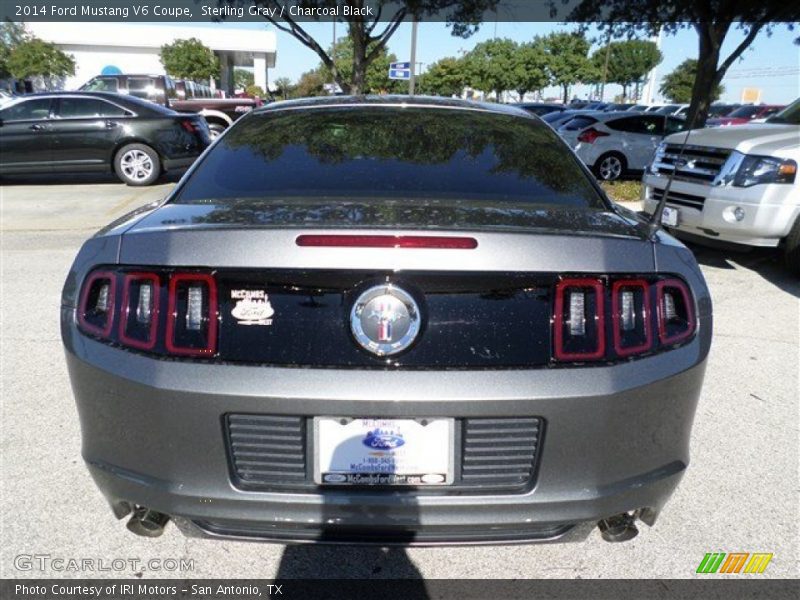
point(370, 34)
point(283, 87)
point(190, 59)
point(713, 21)
point(629, 61)
point(445, 77)
point(376, 78)
point(530, 72)
point(243, 78)
point(677, 85)
point(12, 34)
point(310, 84)
point(567, 60)
point(490, 65)
point(34, 58)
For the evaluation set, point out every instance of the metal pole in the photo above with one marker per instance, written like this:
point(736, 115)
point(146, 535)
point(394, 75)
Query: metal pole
point(413, 61)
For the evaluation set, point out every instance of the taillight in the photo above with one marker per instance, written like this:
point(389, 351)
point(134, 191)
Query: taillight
point(138, 320)
point(590, 135)
point(192, 315)
point(190, 125)
point(579, 320)
point(676, 320)
point(97, 306)
point(630, 316)
point(387, 241)
point(638, 308)
point(125, 307)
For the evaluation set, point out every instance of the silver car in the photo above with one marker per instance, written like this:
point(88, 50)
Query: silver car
point(386, 320)
point(612, 144)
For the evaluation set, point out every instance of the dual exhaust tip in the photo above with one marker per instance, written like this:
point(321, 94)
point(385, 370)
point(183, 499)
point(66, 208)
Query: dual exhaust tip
point(619, 528)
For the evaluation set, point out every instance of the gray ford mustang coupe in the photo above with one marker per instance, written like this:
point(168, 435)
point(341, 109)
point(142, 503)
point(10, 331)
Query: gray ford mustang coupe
point(386, 320)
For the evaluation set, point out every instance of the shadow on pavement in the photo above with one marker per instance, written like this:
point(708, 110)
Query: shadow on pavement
point(766, 262)
point(79, 178)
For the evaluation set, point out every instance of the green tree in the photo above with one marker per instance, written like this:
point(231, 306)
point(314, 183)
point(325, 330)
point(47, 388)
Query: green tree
point(243, 78)
point(713, 20)
point(446, 77)
point(12, 34)
point(190, 59)
point(310, 84)
point(371, 33)
point(490, 66)
point(567, 60)
point(677, 85)
point(36, 58)
point(283, 86)
point(629, 61)
point(376, 79)
point(529, 68)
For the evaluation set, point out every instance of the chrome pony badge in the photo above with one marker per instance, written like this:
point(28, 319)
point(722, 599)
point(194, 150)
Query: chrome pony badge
point(385, 320)
point(252, 307)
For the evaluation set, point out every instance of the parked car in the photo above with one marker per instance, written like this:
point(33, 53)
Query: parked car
point(85, 131)
point(613, 144)
point(736, 185)
point(342, 334)
point(675, 110)
point(183, 96)
point(540, 109)
point(618, 107)
point(556, 120)
point(721, 110)
point(639, 108)
point(746, 114)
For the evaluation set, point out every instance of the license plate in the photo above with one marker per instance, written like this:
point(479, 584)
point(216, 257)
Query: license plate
point(669, 216)
point(395, 452)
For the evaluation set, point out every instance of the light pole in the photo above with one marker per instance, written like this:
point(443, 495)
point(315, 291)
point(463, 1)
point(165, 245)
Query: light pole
point(413, 61)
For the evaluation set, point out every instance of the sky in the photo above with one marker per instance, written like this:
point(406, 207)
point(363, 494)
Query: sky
point(772, 63)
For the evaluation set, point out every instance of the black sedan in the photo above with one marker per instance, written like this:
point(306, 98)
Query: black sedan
point(79, 132)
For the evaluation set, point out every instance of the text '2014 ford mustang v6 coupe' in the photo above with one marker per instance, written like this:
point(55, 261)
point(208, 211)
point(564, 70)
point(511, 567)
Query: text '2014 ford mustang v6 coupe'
point(388, 320)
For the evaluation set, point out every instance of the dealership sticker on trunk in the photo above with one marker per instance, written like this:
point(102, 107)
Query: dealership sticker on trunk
point(383, 451)
point(252, 307)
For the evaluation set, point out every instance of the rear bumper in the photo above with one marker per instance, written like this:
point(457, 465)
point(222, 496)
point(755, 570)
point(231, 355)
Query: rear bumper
point(617, 440)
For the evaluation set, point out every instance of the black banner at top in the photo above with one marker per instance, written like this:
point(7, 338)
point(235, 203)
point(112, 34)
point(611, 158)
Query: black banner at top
point(383, 10)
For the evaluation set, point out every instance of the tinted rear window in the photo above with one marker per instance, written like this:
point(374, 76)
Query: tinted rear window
point(386, 152)
point(579, 123)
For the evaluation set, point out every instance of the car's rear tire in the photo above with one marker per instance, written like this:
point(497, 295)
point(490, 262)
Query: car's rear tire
point(791, 249)
point(215, 130)
point(610, 166)
point(137, 164)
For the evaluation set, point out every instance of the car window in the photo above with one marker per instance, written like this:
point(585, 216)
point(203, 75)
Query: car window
point(643, 124)
point(580, 122)
point(769, 111)
point(27, 110)
point(745, 112)
point(142, 87)
point(101, 84)
point(76, 108)
point(674, 125)
point(415, 156)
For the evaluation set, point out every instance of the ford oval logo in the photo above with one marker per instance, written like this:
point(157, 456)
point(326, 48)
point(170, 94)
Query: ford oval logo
point(382, 440)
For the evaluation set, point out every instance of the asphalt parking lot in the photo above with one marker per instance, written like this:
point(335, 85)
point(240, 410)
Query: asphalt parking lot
point(741, 493)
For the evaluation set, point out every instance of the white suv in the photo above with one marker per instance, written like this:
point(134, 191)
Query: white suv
point(734, 184)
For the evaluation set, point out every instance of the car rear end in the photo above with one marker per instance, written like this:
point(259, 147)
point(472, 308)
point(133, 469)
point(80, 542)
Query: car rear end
point(238, 367)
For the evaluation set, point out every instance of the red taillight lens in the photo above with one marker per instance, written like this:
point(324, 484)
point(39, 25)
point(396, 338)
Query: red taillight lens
point(98, 303)
point(590, 135)
point(631, 316)
point(579, 320)
point(676, 321)
point(387, 241)
point(192, 315)
point(139, 315)
point(190, 125)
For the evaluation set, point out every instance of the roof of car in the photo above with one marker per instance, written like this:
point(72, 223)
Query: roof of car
point(392, 100)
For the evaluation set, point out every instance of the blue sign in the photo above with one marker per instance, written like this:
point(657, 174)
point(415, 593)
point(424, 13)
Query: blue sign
point(400, 65)
point(399, 74)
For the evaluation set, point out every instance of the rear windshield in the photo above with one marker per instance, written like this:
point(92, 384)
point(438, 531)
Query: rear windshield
point(388, 152)
point(579, 123)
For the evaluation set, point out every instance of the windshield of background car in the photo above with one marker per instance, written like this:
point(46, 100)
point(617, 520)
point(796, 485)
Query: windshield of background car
point(101, 84)
point(789, 115)
point(409, 153)
point(745, 112)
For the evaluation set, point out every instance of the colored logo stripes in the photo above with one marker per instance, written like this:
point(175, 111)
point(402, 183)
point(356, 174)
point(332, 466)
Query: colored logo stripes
point(735, 562)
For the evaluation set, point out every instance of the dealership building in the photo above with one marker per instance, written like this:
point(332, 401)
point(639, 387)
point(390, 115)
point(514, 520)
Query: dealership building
point(133, 48)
